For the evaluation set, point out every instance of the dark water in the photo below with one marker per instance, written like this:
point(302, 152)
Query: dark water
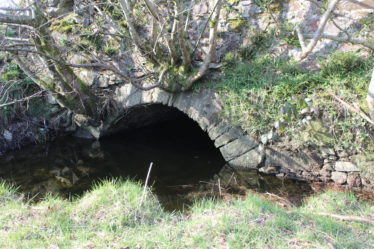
point(186, 166)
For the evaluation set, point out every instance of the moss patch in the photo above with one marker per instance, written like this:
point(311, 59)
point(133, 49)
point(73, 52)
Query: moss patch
point(66, 24)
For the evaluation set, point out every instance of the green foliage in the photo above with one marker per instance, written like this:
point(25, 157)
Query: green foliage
point(236, 24)
point(11, 72)
point(367, 22)
point(90, 40)
point(233, 1)
point(343, 64)
point(229, 60)
point(10, 33)
point(113, 12)
point(111, 47)
point(65, 25)
point(110, 50)
point(259, 42)
point(290, 39)
point(18, 85)
point(65, 42)
point(274, 6)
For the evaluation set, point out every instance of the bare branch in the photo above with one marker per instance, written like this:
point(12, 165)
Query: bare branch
point(16, 39)
point(204, 28)
point(182, 34)
point(17, 19)
point(351, 108)
point(152, 8)
point(147, 88)
point(339, 39)
point(301, 38)
point(134, 34)
point(331, 18)
point(171, 41)
point(320, 29)
point(27, 70)
point(369, 221)
point(212, 47)
point(18, 45)
point(14, 9)
point(35, 95)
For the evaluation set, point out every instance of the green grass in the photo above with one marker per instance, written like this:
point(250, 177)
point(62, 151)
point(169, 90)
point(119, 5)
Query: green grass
point(262, 90)
point(110, 216)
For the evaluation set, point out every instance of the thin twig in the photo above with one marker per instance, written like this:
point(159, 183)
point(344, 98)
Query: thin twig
point(145, 185)
point(219, 187)
point(280, 198)
point(351, 108)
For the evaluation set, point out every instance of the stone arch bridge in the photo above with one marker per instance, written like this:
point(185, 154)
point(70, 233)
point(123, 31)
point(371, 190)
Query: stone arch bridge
point(238, 148)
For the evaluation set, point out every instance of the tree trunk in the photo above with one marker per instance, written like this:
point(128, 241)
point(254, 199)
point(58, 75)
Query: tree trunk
point(370, 97)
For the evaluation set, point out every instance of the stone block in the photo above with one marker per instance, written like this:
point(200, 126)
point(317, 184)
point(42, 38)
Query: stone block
point(238, 147)
point(217, 130)
point(354, 180)
point(339, 177)
point(293, 161)
point(249, 160)
point(232, 134)
point(345, 167)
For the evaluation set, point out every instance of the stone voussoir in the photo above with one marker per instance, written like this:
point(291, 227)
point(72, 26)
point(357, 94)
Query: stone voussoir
point(232, 134)
point(217, 130)
point(238, 147)
point(249, 160)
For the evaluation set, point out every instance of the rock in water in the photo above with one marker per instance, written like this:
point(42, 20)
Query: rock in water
point(8, 136)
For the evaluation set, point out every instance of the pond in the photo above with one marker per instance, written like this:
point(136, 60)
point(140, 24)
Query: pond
point(186, 166)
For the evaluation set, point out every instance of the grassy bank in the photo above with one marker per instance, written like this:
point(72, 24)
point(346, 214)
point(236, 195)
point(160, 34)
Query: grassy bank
point(266, 95)
point(110, 216)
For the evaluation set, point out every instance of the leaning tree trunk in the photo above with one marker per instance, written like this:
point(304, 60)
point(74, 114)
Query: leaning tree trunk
point(370, 97)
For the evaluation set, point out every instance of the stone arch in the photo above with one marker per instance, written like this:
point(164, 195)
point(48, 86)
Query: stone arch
point(204, 106)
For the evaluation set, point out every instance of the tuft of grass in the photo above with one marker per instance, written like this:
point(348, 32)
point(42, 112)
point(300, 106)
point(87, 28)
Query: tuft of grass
point(343, 64)
point(7, 193)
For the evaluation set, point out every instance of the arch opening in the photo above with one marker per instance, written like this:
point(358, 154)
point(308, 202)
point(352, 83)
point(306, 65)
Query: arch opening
point(182, 154)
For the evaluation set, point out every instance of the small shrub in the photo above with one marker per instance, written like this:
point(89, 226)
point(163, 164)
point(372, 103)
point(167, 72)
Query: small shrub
point(110, 50)
point(260, 41)
point(66, 25)
point(343, 64)
point(236, 24)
